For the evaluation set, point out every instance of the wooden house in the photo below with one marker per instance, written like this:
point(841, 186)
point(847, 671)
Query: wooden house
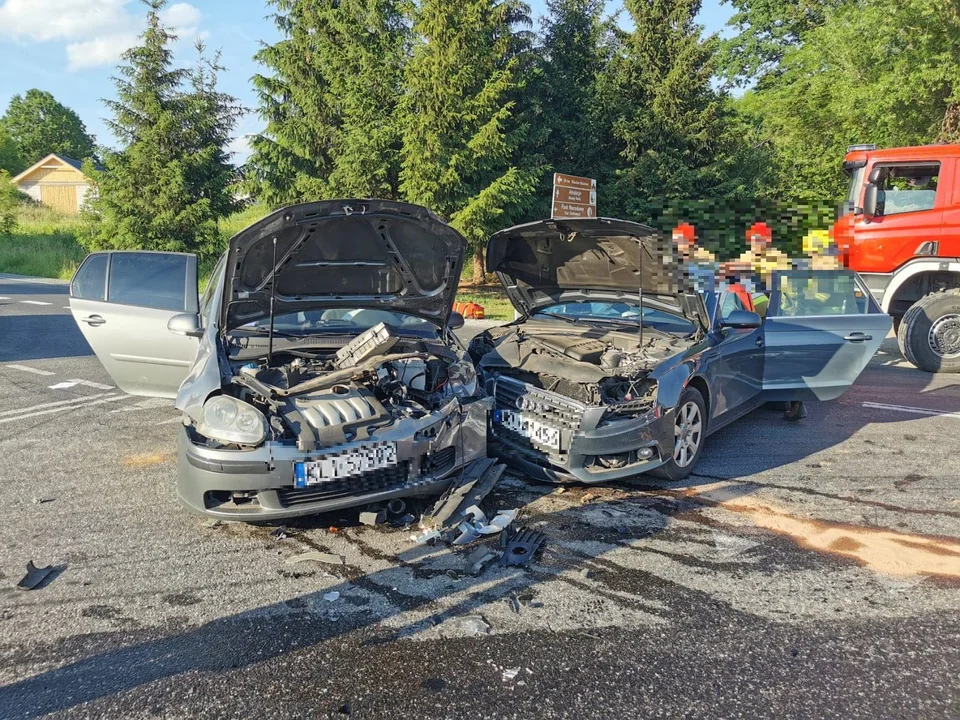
point(55, 181)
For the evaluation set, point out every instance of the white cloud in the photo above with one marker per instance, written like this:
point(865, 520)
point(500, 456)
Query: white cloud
point(42, 20)
point(181, 17)
point(105, 50)
point(98, 30)
point(240, 149)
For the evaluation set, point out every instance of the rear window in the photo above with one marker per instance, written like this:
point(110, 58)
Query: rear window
point(146, 280)
point(90, 282)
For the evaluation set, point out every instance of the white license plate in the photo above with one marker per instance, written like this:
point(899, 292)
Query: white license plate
point(529, 427)
point(346, 464)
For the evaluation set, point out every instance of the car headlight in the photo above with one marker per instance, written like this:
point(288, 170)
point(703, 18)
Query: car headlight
point(232, 421)
point(462, 378)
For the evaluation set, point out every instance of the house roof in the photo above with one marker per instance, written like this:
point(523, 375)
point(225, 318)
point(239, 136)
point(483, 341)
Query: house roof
point(75, 164)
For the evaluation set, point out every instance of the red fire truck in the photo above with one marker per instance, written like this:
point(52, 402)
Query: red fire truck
point(900, 230)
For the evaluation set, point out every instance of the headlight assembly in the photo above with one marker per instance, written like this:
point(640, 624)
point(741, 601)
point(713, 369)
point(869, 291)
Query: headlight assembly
point(232, 421)
point(462, 379)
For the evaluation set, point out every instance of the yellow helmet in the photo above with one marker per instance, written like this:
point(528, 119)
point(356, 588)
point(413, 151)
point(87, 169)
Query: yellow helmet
point(817, 242)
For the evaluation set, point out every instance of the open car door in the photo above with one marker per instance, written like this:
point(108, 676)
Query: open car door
point(123, 301)
point(822, 328)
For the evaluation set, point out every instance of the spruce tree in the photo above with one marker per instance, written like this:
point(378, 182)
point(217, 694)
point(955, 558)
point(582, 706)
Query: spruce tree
point(670, 121)
point(165, 189)
point(329, 99)
point(460, 133)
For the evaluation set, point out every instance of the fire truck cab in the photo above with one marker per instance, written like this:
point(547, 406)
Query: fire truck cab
point(900, 230)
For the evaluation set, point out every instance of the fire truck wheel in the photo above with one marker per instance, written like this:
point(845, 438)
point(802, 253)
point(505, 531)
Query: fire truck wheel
point(929, 334)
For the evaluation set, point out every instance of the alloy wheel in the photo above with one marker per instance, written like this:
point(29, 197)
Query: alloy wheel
point(687, 432)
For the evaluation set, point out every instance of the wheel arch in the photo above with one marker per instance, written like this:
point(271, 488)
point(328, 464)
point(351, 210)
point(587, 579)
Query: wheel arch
point(917, 279)
point(698, 383)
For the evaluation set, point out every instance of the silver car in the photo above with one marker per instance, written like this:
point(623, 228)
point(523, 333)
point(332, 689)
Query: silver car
point(319, 370)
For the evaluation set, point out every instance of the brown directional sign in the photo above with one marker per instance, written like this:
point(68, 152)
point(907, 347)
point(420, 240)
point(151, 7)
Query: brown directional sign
point(574, 181)
point(571, 210)
point(574, 196)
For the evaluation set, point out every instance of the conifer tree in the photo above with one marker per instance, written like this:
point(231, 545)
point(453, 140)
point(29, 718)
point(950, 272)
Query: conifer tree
point(460, 131)
point(168, 187)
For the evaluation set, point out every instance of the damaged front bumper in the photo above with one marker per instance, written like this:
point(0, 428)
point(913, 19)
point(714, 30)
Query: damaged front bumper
point(592, 447)
point(259, 484)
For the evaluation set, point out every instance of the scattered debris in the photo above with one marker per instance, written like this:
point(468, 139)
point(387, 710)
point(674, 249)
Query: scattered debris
point(510, 673)
point(345, 709)
point(320, 557)
point(377, 517)
point(42, 500)
point(520, 549)
point(425, 537)
point(332, 596)
point(475, 484)
point(475, 524)
point(589, 497)
point(333, 529)
point(514, 604)
point(480, 558)
point(279, 533)
point(472, 625)
point(403, 521)
point(34, 576)
point(561, 490)
point(397, 506)
point(213, 523)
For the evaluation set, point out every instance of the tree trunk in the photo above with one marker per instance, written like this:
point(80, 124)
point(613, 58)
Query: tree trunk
point(950, 130)
point(478, 276)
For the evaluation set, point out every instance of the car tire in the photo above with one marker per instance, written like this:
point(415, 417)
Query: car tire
point(690, 411)
point(929, 335)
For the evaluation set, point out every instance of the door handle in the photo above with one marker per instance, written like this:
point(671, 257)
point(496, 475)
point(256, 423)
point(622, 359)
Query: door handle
point(93, 320)
point(759, 342)
point(858, 337)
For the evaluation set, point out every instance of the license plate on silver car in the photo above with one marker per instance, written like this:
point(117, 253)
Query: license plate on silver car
point(529, 427)
point(345, 464)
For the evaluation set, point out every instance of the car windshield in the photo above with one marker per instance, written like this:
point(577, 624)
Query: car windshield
point(619, 313)
point(339, 320)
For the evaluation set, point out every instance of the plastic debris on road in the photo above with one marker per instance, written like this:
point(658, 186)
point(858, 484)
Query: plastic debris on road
point(510, 674)
point(332, 596)
point(520, 548)
point(479, 559)
point(279, 533)
point(34, 577)
point(377, 517)
point(471, 625)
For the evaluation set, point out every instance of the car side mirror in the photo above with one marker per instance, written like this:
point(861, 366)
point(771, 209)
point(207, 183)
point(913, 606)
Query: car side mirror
point(872, 200)
point(185, 324)
point(742, 319)
point(456, 321)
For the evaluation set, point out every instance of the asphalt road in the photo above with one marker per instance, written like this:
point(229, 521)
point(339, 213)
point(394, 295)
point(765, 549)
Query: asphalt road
point(810, 570)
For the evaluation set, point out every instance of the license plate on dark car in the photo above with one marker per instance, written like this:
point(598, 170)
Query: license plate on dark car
point(529, 427)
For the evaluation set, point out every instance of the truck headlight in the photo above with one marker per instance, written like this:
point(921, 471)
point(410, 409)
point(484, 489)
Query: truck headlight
point(462, 378)
point(232, 421)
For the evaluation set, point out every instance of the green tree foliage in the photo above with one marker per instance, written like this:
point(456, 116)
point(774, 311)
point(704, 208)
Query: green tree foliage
point(168, 187)
point(876, 72)
point(40, 125)
point(459, 125)
point(765, 31)
point(571, 112)
point(670, 123)
point(330, 101)
point(9, 201)
point(10, 159)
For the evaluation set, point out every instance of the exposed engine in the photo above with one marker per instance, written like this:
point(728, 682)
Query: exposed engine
point(330, 395)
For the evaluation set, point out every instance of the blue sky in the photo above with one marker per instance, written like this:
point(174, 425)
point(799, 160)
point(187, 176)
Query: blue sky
point(69, 47)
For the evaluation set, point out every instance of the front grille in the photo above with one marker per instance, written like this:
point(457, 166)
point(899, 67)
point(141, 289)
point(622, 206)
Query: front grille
point(392, 478)
point(438, 463)
point(553, 409)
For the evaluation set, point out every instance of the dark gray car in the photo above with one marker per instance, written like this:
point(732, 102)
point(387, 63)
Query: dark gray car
point(357, 391)
point(614, 369)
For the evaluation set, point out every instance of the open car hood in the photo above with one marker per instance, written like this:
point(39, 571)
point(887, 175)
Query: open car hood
point(551, 261)
point(375, 254)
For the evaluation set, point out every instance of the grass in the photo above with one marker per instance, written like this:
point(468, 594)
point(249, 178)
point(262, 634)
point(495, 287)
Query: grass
point(44, 244)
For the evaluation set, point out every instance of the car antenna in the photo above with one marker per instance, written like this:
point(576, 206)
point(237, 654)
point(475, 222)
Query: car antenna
point(273, 297)
point(640, 288)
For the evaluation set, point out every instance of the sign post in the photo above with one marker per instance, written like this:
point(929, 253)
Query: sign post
point(574, 196)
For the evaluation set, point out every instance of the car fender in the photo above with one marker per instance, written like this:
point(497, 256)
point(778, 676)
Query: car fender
point(672, 382)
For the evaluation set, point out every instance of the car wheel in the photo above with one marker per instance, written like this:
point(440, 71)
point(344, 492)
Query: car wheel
point(929, 335)
point(689, 433)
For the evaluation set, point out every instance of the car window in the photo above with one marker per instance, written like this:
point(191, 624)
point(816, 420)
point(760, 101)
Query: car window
point(211, 287)
point(621, 311)
point(148, 280)
point(820, 293)
point(90, 282)
point(729, 304)
point(908, 188)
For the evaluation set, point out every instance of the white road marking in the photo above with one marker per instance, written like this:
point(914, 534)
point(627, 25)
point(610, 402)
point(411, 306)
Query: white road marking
point(35, 302)
point(912, 410)
point(58, 403)
point(29, 369)
point(79, 405)
point(4, 297)
point(74, 382)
